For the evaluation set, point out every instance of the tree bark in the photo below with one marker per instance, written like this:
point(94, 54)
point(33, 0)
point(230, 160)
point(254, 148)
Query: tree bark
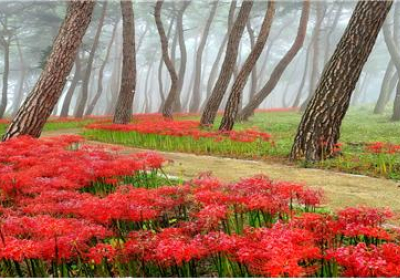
point(90, 108)
point(88, 70)
point(213, 103)
point(248, 110)
point(232, 106)
point(38, 106)
point(319, 128)
point(169, 102)
point(196, 95)
point(123, 109)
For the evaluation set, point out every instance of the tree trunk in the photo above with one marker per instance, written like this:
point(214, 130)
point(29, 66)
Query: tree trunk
point(123, 109)
point(38, 106)
point(232, 106)
point(88, 70)
point(196, 95)
point(383, 96)
point(20, 91)
point(319, 128)
point(90, 108)
point(213, 103)
point(280, 67)
point(177, 106)
point(6, 72)
point(173, 92)
point(328, 43)
point(253, 87)
point(297, 100)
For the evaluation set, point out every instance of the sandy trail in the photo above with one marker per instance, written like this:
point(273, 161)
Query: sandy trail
point(340, 189)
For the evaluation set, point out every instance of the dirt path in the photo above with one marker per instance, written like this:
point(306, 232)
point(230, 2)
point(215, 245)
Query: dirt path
point(341, 189)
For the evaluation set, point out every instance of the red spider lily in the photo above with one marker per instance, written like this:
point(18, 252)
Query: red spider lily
point(382, 148)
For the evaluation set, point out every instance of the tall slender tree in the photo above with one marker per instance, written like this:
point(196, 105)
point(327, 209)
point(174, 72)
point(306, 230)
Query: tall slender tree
point(123, 109)
point(319, 128)
point(232, 106)
point(231, 54)
point(258, 98)
point(38, 106)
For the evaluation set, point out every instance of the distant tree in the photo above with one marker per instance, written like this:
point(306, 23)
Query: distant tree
point(258, 98)
point(232, 106)
point(173, 92)
point(319, 129)
point(231, 54)
point(88, 70)
point(38, 106)
point(385, 89)
point(123, 110)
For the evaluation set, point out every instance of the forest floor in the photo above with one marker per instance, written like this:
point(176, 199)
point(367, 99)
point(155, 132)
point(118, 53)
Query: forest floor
point(340, 189)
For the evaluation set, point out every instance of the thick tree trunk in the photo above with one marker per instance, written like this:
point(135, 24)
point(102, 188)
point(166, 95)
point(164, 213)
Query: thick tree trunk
point(280, 67)
point(20, 91)
point(123, 109)
point(6, 72)
point(196, 95)
point(231, 54)
point(173, 92)
point(232, 106)
point(88, 70)
point(318, 131)
point(183, 59)
point(90, 108)
point(383, 96)
point(38, 106)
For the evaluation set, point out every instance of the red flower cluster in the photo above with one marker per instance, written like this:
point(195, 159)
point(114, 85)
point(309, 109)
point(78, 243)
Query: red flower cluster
point(156, 124)
point(69, 209)
point(382, 148)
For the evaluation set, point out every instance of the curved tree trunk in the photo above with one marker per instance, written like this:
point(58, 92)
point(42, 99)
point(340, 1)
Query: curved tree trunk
point(169, 102)
point(88, 70)
point(383, 96)
point(213, 103)
point(123, 109)
point(90, 108)
point(280, 67)
point(38, 106)
point(319, 128)
point(232, 106)
point(196, 95)
point(183, 59)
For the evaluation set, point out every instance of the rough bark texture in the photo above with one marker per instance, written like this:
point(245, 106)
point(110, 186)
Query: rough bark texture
point(123, 109)
point(195, 101)
point(88, 70)
point(384, 93)
point(38, 106)
point(232, 106)
point(318, 131)
point(173, 91)
point(99, 90)
point(248, 110)
point(231, 54)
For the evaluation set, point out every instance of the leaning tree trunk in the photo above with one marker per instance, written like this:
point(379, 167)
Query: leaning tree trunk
point(383, 95)
point(123, 109)
point(173, 91)
point(232, 106)
point(38, 106)
point(6, 72)
point(319, 129)
point(280, 67)
point(88, 70)
point(99, 91)
point(75, 80)
point(213, 103)
point(195, 101)
point(183, 59)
